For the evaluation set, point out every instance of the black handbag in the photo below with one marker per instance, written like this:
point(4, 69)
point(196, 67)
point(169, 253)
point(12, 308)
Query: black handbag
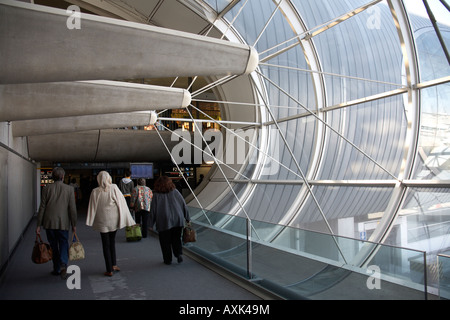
point(42, 252)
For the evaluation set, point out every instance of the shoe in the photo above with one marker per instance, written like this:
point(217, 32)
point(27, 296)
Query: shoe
point(108, 274)
point(55, 273)
point(63, 273)
point(180, 259)
point(116, 268)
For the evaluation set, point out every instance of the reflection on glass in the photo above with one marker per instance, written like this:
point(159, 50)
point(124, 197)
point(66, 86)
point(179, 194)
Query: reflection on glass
point(434, 144)
point(424, 224)
point(296, 263)
point(444, 276)
point(351, 211)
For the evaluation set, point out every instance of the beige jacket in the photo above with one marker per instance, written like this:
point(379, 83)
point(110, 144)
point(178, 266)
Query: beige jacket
point(108, 210)
point(58, 209)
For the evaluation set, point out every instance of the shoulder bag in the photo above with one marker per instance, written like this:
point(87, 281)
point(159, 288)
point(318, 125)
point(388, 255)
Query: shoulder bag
point(42, 252)
point(189, 234)
point(76, 250)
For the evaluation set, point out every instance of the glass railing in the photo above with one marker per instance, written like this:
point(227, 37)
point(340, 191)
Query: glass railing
point(444, 276)
point(301, 264)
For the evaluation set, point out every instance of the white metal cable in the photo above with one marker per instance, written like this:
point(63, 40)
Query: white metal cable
point(331, 74)
point(197, 147)
point(248, 142)
point(234, 19)
point(311, 33)
point(173, 160)
point(308, 186)
point(227, 181)
point(267, 23)
point(329, 127)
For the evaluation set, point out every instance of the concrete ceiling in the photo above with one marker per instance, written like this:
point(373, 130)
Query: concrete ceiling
point(63, 56)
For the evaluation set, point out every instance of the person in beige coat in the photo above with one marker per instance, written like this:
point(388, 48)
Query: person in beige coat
point(57, 212)
point(107, 213)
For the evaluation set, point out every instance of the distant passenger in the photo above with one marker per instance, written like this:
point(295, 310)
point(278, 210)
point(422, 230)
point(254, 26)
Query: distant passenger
point(126, 186)
point(57, 212)
point(76, 188)
point(108, 212)
point(141, 200)
point(169, 212)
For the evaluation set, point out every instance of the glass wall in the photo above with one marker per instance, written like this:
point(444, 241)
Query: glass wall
point(301, 264)
point(340, 83)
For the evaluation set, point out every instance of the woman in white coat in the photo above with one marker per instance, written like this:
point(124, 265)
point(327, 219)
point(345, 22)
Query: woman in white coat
point(108, 212)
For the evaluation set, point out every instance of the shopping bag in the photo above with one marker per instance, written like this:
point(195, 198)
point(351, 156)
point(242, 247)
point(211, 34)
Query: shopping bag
point(42, 252)
point(133, 233)
point(76, 249)
point(189, 234)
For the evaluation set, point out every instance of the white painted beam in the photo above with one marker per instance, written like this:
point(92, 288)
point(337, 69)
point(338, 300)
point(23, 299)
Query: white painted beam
point(37, 44)
point(81, 123)
point(101, 146)
point(66, 99)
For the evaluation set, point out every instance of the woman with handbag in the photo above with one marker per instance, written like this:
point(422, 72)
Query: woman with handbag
point(108, 212)
point(169, 212)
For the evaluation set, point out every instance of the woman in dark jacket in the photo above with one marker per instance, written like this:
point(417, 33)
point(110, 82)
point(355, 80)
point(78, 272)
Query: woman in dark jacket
point(169, 212)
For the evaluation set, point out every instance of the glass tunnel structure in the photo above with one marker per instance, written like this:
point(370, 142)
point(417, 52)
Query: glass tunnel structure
point(332, 154)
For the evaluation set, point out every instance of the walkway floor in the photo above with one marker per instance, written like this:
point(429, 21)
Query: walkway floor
point(143, 275)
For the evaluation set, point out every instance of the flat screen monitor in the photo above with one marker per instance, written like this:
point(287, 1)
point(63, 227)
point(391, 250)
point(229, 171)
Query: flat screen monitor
point(141, 170)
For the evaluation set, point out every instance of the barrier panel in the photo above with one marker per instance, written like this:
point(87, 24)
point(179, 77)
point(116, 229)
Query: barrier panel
point(302, 264)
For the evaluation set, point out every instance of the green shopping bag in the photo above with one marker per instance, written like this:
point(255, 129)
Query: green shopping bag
point(133, 233)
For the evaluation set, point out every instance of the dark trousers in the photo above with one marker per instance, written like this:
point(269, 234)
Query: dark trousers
point(59, 242)
point(128, 200)
point(141, 217)
point(170, 241)
point(109, 249)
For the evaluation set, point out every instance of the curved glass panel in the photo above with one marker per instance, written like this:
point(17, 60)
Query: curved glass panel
point(360, 133)
point(218, 5)
point(434, 145)
point(271, 202)
point(434, 151)
point(351, 211)
point(378, 129)
point(318, 12)
point(365, 59)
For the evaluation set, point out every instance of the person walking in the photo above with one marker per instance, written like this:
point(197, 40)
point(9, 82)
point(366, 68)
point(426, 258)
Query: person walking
point(141, 199)
point(57, 212)
point(126, 186)
point(169, 212)
point(108, 212)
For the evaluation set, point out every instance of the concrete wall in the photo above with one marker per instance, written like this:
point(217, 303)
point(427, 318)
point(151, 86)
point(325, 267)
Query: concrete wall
point(18, 191)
